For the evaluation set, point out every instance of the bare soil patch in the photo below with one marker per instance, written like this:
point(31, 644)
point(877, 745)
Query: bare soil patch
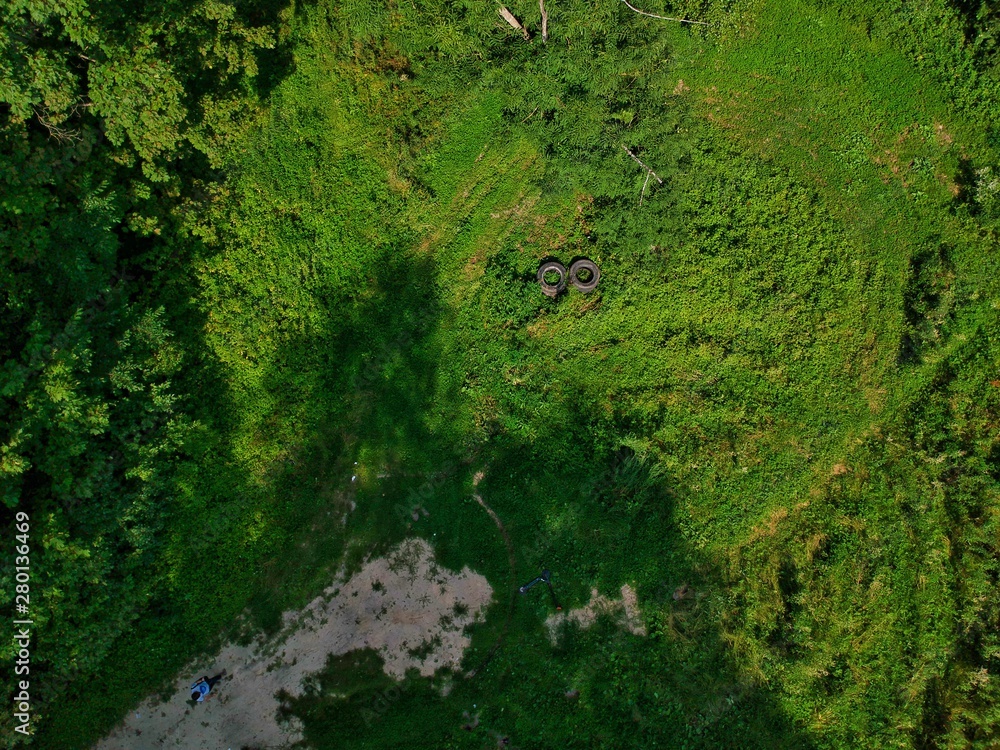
point(402, 605)
point(626, 610)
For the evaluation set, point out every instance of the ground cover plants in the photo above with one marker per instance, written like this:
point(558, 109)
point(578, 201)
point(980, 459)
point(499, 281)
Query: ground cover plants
point(279, 319)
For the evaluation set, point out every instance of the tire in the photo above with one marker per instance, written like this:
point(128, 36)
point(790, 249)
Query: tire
point(595, 275)
point(551, 290)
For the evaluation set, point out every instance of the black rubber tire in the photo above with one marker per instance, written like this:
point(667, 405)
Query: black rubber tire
point(595, 275)
point(551, 290)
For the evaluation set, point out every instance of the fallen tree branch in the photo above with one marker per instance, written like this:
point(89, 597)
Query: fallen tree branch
point(643, 193)
point(642, 164)
point(664, 18)
point(545, 21)
point(509, 18)
point(649, 173)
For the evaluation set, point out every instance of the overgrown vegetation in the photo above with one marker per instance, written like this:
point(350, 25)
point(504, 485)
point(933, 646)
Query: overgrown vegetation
point(248, 246)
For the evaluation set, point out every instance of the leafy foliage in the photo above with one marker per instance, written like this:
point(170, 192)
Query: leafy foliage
point(779, 406)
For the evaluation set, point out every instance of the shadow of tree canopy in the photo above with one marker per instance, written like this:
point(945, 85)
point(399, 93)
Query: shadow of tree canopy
point(596, 521)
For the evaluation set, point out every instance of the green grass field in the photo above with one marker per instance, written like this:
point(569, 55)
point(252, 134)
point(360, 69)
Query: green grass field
point(784, 392)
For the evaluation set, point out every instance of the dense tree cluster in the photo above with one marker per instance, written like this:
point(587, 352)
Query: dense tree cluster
point(206, 281)
point(112, 117)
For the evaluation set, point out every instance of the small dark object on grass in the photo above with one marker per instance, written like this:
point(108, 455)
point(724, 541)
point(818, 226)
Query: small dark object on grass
point(552, 288)
point(681, 592)
point(572, 694)
point(545, 577)
point(589, 269)
point(471, 721)
point(526, 587)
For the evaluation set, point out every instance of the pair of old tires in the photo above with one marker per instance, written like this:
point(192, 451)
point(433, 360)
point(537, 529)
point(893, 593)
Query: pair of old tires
point(579, 267)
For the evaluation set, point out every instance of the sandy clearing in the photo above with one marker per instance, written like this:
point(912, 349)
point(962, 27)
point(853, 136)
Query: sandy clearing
point(394, 605)
point(627, 609)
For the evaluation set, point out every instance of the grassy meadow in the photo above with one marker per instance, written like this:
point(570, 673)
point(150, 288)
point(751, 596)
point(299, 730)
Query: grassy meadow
point(784, 393)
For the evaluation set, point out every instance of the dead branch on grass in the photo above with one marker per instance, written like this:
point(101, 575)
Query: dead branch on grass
point(509, 18)
point(642, 164)
point(649, 172)
point(545, 21)
point(664, 18)
point(643, 193)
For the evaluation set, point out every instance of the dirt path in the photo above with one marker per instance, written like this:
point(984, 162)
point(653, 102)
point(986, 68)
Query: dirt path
point(513, 577)
point(395, 605)
point(626, 609)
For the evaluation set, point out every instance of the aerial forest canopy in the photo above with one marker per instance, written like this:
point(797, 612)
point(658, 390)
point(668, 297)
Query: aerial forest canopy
point(268, 306)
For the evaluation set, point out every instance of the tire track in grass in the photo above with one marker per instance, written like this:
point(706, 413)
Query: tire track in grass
point(513, 578)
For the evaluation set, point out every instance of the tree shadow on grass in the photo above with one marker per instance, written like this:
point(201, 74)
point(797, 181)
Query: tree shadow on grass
point(598, 521)
point(363, 410)
point(247, 542)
